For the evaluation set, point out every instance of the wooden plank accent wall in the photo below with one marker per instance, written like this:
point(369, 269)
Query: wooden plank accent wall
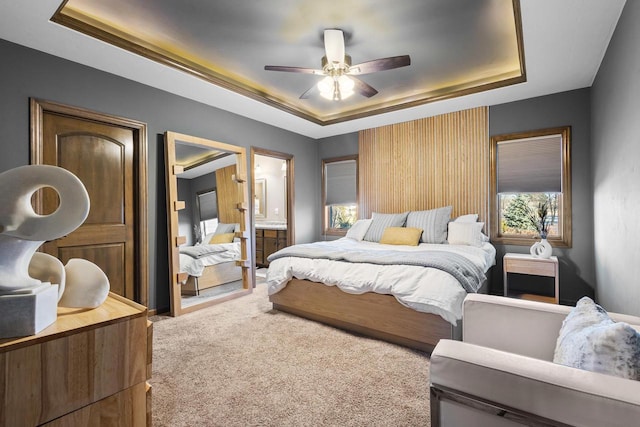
point(425, 164)
point(228, 195)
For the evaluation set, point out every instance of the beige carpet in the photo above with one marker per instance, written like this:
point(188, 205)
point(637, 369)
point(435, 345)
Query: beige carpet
point(242, 364)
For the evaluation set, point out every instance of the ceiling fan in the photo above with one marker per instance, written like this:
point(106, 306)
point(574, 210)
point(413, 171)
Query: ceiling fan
point(339, 82)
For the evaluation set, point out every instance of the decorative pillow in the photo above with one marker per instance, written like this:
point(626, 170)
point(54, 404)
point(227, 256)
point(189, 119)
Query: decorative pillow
point(223, 228)
point(207, 238)
point(465, 233)
point(590, 340)
point(380, 221)
point(467, 218)
point(359, 229)
point(222, 238)
point(401, 236)
point(433, 223)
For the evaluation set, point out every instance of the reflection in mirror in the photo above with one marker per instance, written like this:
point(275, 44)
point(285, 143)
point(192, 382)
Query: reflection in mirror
point(207, 222)
point(260, 197)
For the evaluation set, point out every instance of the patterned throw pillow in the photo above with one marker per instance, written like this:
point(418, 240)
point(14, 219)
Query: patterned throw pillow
point(589, 339)
point(380, 221)
point(432, 222)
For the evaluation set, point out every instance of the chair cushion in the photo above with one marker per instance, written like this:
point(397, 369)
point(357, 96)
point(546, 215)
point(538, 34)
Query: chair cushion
point(589, 339)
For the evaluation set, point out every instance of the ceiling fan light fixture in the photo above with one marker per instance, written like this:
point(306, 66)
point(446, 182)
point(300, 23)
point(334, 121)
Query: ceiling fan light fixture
point(326, 88)
point(336, 88)
point(346, 86)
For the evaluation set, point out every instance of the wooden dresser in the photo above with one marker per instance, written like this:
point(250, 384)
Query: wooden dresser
point(267, 242)
point(88, 368)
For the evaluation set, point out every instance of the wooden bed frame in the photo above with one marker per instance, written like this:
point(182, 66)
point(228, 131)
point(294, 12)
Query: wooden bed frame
point(370, 314)
point(212, 275)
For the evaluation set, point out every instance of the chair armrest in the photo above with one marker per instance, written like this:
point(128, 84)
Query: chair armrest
point(528, 328)
point(537, 387)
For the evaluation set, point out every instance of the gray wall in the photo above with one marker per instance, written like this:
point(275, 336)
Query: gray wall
point(28, 73)
point(616, 173)
point(577, 274)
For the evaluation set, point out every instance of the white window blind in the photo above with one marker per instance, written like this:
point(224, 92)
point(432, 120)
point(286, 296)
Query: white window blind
point(531, 165)
point(340, 182)
point(208, 205)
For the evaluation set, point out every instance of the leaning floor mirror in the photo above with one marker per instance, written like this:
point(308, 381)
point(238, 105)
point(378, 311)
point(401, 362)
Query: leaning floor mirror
point(207, 221)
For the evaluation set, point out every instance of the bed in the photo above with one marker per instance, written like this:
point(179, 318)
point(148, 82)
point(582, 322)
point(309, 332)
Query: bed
point(209, 265)
point(383, 290)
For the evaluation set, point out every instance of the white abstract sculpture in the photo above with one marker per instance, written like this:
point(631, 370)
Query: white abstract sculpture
point(87, 285)
point(32, 283)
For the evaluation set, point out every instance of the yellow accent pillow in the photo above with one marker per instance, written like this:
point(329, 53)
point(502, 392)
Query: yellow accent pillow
point(222, 238)
point(401, 236)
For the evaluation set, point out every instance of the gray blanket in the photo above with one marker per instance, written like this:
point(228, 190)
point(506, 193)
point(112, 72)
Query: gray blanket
point(202, 250)
point(466, 272)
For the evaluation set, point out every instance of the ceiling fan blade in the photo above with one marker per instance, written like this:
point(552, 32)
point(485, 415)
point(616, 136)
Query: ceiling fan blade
point(293, 69)
point(334, 46)
point(380, 65)
point(363, 88)
point(311, 92)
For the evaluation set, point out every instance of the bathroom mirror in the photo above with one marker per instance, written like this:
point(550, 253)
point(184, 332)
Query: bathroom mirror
point(207, 222)
point(260, 198)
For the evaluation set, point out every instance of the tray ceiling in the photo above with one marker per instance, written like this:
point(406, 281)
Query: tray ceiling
point(457, 47)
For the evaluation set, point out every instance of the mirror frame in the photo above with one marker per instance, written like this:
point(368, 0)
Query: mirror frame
point(174, 205)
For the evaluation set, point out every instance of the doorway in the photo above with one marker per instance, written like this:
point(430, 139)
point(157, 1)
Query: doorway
point(108, 154)
point(272, 202)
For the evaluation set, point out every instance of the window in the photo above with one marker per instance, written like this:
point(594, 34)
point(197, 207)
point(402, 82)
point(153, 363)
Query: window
point(339, 194)
point(207, 202)
point(530, 177)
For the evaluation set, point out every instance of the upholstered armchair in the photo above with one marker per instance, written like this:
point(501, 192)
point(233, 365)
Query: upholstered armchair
point(502, 373)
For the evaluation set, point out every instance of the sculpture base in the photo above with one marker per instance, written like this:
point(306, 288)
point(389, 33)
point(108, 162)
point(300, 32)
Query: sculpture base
point(28, 313)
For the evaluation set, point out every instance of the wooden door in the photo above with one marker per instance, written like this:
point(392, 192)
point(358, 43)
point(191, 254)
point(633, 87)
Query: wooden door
point(103, 156)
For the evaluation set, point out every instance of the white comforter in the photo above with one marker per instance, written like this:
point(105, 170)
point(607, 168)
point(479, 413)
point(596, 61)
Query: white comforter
point(223, 252)
point(423, 289)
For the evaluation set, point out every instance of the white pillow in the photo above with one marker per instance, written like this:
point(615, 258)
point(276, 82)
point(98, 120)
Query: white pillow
point(359, 229)
point(467, 218)
point(589, 339)
point(465, 233)
point(471, 218)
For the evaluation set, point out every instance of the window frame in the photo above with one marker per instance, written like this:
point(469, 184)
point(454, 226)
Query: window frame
point(326, 230)
point(564, 240)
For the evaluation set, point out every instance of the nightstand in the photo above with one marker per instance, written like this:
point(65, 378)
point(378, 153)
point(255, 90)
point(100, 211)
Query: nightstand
point(528, 264)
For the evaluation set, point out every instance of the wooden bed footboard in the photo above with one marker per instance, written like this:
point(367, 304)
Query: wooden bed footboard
point(374, 315)
point(212, 275)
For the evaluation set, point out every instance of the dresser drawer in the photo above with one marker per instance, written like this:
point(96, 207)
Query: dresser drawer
point(523, 266)
point(271, 233)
